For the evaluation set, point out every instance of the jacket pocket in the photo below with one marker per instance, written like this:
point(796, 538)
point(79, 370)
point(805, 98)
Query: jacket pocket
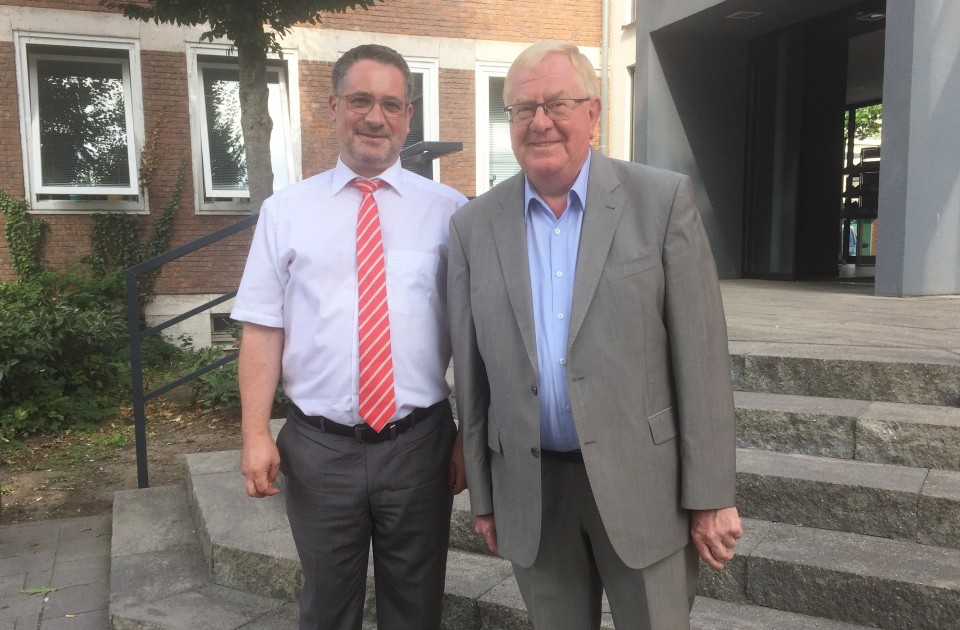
point(493, 439)
point(663, 425)
point(620, 271)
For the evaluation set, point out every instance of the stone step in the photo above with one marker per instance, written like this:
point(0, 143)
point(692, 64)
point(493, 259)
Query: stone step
point(860, 374)
point(899, 502)
point(923, 436)
point(159, 578)
point(876, 582)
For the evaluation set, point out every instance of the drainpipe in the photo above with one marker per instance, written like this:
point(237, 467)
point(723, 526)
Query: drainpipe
point(604, 71)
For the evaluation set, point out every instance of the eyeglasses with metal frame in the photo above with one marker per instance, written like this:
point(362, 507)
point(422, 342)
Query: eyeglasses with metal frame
point(555, 109)
point(363, 103)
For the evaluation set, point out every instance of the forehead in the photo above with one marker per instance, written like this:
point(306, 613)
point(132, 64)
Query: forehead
point(374, 78)
point(551, 78)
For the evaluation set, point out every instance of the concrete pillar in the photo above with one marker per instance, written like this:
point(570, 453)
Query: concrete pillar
point(919, 216)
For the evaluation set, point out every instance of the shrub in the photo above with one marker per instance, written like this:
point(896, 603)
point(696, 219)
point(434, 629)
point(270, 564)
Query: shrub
point(60, 354)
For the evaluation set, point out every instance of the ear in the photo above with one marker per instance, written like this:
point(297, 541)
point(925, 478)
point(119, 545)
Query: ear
point(332, 101)
point(594, 109)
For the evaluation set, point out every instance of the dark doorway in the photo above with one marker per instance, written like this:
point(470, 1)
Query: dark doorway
point(798, 174)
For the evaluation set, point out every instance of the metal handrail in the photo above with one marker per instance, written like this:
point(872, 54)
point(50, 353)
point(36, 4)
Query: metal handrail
point(137, 336)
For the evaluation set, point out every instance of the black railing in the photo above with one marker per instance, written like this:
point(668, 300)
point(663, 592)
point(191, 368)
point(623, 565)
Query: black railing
point(137, 336)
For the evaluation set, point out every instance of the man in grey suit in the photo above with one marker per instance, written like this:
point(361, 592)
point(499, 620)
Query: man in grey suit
point(591, 363)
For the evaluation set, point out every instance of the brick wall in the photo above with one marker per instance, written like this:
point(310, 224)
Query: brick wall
point(577, 21)
point(11, 160)
point(458, 123)
point(218, 267)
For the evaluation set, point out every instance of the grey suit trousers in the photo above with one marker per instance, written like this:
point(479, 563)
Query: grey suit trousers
point(576, 563)
point(342, 494)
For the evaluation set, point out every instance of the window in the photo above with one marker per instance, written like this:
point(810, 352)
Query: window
point(495, 159)
point(425, 123)
point(219, 157)
point(82, 123)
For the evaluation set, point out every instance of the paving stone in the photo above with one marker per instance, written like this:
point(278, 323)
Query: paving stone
point(845, 495)
point(73, 600)
point(28, 561)
point(93, 620)
point(939, 510)
point(923, 436)
point(857, 579)
point(10, 584)
point(20, 605)
point(797, 424)
point(85, 571)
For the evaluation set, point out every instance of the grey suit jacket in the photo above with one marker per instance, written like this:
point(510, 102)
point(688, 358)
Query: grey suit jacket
point(647, 362)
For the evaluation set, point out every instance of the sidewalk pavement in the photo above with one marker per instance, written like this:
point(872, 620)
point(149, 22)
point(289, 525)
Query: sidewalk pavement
point(55, 574)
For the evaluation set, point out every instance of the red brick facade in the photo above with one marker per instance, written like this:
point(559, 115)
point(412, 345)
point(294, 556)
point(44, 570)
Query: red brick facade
point(166, 103)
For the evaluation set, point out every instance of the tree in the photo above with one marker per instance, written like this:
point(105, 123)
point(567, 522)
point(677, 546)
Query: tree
point(868, 121)
point(254, 27)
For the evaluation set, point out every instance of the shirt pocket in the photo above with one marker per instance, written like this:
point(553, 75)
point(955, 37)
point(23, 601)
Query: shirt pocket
point(411, 281)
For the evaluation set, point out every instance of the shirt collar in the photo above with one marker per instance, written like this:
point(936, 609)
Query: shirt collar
point(578, 192)
point(343, 175)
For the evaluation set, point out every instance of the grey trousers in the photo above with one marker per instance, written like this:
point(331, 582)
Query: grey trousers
point(342, 494)
point(576, 563)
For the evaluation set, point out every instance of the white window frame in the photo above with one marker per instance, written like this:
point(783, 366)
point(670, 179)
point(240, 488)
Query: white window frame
point(430, 69)
point(485, 70)
point(30, 125)
point(232, 202)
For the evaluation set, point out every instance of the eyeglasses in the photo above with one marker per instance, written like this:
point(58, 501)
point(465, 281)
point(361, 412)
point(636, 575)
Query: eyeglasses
point(362, 104)
point(556, 109)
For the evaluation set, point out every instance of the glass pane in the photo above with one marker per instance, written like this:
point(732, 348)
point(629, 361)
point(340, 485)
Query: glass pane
point(278, 137)
point(221, 95)
point(83, 124)
point(502, 162)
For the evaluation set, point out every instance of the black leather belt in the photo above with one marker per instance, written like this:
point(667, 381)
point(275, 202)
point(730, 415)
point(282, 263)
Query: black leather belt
point(572, 457)
point(364, 433)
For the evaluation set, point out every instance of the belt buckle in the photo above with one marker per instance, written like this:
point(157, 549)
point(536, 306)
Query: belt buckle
point(358, 433)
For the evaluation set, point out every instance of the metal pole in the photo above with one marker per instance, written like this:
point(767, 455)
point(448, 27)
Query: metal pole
point(136, 377)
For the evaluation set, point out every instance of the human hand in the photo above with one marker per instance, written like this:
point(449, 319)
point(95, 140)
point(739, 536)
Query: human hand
point(715, 534)
point(260, 465)
point(486, 526)
point(458, 472)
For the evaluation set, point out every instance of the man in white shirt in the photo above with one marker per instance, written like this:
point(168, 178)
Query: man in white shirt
point(356, 470)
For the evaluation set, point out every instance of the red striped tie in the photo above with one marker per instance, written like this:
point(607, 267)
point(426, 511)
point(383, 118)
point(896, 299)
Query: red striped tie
point(378, 402)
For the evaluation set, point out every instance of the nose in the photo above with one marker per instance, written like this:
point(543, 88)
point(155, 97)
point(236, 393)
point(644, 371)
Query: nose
point(375, 115)
point(540, 120)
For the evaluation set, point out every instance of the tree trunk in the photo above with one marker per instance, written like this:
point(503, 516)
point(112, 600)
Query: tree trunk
point(255, 121)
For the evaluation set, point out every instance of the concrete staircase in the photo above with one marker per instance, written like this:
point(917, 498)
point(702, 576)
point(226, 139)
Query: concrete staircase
point(848, 479)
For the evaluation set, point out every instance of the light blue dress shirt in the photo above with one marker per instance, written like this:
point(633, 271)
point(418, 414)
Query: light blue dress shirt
point(552, 246)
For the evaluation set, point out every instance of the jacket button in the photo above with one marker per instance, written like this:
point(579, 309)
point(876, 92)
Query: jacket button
point(535, 452)
point(534, 388)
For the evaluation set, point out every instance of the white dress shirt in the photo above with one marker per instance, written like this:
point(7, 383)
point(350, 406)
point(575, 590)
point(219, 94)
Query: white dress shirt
point(301, 275)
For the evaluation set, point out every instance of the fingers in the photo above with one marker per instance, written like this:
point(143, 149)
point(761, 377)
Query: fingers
point(486, 527)
point(715, 534)
point(260, 484)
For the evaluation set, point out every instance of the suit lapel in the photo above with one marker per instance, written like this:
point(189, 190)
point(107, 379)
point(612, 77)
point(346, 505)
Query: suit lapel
point(605, 202)
point(510, 235)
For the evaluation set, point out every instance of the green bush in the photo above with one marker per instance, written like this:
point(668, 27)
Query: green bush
point(61, 360)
